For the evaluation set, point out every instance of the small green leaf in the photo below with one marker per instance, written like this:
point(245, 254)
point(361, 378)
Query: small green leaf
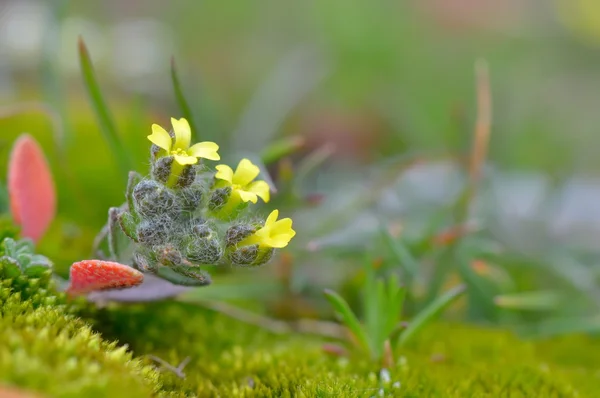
point(128, 225)
point(529, 301)
point(182, 102)
point(10, 267)
point(281, 148)
point(348, 317)
point(429, 313)
point(102, 113)
point(191, 278)
point(133, 179)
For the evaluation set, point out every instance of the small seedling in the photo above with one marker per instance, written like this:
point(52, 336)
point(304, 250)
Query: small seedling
point(383, 329)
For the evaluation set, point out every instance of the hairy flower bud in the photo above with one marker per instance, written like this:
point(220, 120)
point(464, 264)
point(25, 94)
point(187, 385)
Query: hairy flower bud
point(201, 229)
point(191, 198)
point(204, 247)
point(219, 198)
point(237, 233)
point(153, 199)
point(161, 169)
point(187, 176)
point(244, 255)
point(168, 255)
point(153, 232)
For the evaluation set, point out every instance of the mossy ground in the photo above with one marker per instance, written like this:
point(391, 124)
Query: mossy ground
point(47, 349)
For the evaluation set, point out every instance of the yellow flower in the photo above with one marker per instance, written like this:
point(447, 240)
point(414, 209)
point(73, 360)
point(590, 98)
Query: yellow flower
point(242, 181)
point(274, 234)
point(181, 150)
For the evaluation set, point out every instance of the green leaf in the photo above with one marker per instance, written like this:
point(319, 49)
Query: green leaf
point(190, 278)
point(401, 253)
point(429, 313)
point(132, 181)
point(281, 148)
point(529, 301)
point(347, 317)
point(186, 111)
point(107, 125)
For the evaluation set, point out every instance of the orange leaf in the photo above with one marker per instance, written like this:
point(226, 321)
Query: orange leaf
point(30, 188)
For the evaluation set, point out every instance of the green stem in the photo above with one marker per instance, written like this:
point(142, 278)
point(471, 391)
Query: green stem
point(176, 170)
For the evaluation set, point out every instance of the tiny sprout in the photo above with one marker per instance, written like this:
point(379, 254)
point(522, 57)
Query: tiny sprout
point(383, 328)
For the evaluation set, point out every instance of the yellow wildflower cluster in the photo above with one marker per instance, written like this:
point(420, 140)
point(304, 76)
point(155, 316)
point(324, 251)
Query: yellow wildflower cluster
point(274, 233)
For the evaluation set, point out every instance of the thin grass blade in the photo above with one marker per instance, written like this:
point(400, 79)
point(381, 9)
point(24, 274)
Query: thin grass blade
point(348, 317)
point(184, 106)
point(107, 125)
point(429, 313)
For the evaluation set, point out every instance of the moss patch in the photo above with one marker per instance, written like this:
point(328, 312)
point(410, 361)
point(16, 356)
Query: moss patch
point(47, 349)
point(229, 359)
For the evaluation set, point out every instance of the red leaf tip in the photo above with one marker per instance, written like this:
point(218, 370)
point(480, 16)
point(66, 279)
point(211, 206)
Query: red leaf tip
point(93, 275)
point(30, 187)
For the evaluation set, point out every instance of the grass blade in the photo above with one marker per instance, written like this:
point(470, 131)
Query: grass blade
point(561, 326)
point(429, 313)
point(401, 253)
point(186, 111)
point(348, 318)
point(281, 148)
point(107, 125)
point(529, 301)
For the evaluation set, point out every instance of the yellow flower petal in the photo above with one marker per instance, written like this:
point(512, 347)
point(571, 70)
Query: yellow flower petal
point(261, 189)
point(224, 172)
point(247, 196)
point(185, 160)
point(283, 226)
point(160, 138)
point(207, 150)
point(272, 217)
point(245, 172)
point(279, 241)
point(183, 133)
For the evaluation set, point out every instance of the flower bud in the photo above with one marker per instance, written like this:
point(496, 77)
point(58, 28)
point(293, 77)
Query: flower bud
point(153, 199)
point(153, 232)
point(244, 255)
point(204, 247)
point(168, 255)
point(201, 229)
point(237, 233)
point(191, 198)
point(161, 169)
point(219, 198)
point(187, 176)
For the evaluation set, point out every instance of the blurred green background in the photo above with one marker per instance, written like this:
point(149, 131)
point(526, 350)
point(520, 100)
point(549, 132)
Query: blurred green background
point(371, 80)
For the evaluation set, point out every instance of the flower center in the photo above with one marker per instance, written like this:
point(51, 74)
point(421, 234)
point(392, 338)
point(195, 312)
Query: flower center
point(179, 152)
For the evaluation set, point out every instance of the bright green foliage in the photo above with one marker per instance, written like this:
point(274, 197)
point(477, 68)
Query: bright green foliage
point(383, 303)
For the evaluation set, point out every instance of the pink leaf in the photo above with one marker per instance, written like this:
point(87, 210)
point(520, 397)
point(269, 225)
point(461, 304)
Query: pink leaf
point(30, 188)
point(94, 275)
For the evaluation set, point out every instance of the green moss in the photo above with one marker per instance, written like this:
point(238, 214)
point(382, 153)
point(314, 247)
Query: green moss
point(46, 348)
point(230, 359)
